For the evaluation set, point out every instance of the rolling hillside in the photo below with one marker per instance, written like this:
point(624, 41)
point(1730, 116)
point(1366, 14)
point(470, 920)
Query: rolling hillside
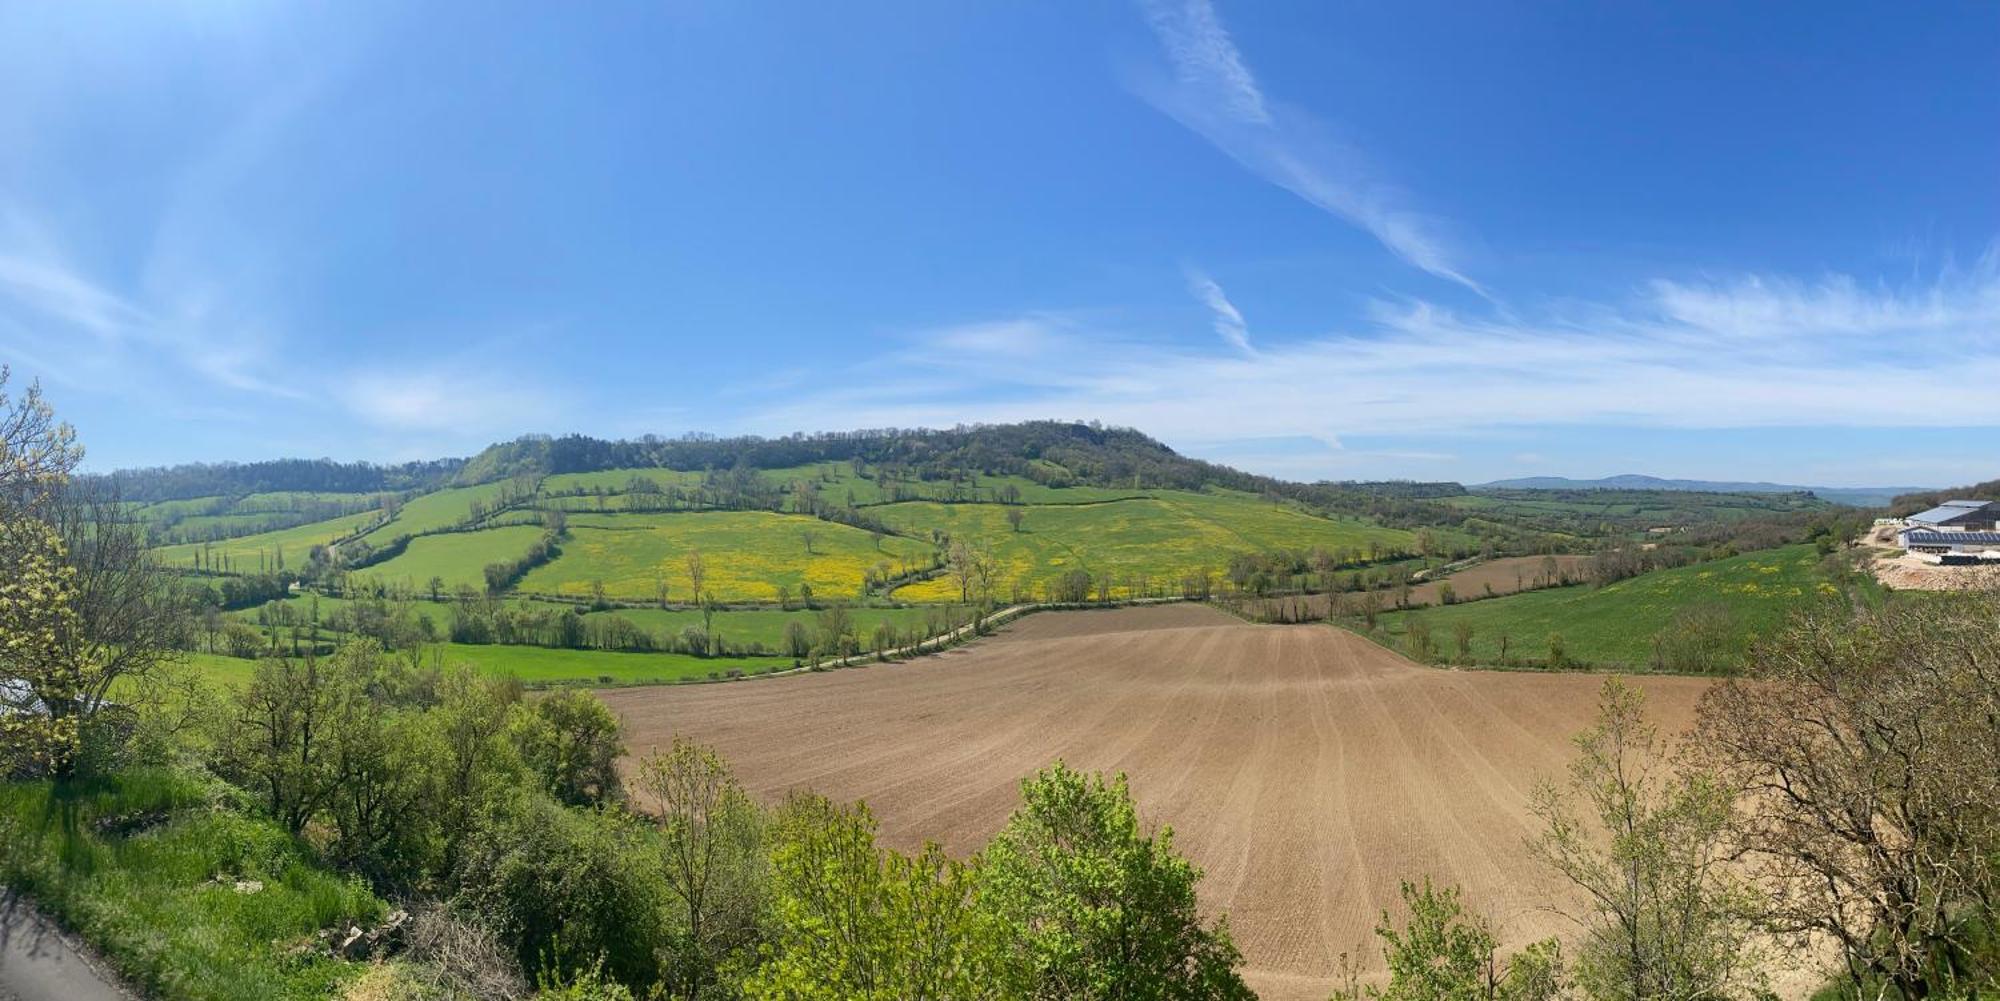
point(1737, 598)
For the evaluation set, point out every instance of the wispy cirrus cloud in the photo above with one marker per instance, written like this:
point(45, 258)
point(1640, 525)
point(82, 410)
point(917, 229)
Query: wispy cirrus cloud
point(461, 400)
point(1228, 320)
point(1747, 352)
point(199, 349)
point(1211, 90)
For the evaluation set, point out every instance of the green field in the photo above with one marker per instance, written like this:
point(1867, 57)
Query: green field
point(162, 511)
point(172, 522)
point(768, 626)
point(764, 626)
point(243, 554)
point(615, 481)
point(604, 490)
point(1162, 537)
point(434, 511)
point(836, 481)
point(544, 666)
point(748, 555)
point(458, 557)
point(541, 665)
point(1614, 625)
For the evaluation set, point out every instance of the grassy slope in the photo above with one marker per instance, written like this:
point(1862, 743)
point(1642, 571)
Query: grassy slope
point(539, 665)
point(245, 551)
point(433, 511)
point(458, 557)
point(768, 627)
point(836, 481)
point(615, 480)
point(162, 510)
point(1162, 537)
point(152, 901)
point(1615, 624)
point(759, 626)
point(747, 555)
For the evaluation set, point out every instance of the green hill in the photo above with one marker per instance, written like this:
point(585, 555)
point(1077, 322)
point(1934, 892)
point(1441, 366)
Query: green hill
point(1733, 599)
point(1158, 538)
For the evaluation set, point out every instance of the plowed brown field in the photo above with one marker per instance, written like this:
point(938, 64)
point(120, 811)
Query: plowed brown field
point(1305, 769)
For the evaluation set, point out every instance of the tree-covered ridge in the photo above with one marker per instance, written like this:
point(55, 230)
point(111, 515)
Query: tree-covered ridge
point(241, 479)
point(1909, 504)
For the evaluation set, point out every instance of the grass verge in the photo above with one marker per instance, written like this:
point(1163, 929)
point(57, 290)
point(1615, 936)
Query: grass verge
point(149, 870)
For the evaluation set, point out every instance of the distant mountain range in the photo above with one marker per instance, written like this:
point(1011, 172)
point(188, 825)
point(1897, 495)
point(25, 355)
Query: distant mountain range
point(1856, 496)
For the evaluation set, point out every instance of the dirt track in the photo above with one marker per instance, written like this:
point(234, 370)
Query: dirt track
point(1305, 769)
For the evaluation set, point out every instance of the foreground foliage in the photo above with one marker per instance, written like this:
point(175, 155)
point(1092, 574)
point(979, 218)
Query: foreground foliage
point(1866, 748)
point(189, 897)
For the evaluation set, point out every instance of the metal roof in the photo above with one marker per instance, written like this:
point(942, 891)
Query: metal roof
point(1951, 509)
point(1918, 538)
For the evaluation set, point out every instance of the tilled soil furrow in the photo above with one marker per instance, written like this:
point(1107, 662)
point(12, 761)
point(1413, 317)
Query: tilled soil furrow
point(1306, 769)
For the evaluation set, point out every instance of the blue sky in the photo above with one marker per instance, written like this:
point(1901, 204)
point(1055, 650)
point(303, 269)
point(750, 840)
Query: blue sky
point(1431, 240)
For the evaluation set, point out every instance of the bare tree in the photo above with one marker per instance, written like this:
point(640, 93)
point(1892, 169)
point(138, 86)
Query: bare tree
point(1866, 743)
point(37, 452)
point(807, 535)
point(697, 573)
point(131, 613)
point(1014, 517)
point(1663, 917)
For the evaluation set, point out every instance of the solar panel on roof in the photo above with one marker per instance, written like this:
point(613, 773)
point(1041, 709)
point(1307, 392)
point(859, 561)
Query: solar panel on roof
point(1952, 538)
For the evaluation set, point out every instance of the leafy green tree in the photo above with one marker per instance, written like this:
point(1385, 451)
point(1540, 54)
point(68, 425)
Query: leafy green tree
point(798, 639)
point(850, 920)
point(378, 768)
point(472, 764)
point(274, 738)
point(1094, 907)
point(1664, 917)
point(570, 890)
point(836, 631)
point(711, 859)
point(572, 741)
point(1442, 954)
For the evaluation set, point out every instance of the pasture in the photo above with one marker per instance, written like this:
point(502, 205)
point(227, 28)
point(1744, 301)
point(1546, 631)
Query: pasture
point(1305, 769)
point(767, 626)
point(458, 557)
point(262, 551)
point(436, 510)
point(748, 556)
point(539, 666)
point(1614, 625)
point(837, 481)
point(1161, 537)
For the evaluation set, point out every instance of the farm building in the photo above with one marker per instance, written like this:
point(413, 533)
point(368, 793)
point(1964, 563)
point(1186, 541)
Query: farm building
point(1945, 543)
point(1958, 516)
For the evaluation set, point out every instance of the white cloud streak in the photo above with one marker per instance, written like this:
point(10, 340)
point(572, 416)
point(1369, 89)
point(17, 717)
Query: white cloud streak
point(1213, 93)
point(1228, 320)
point(1753, 352)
